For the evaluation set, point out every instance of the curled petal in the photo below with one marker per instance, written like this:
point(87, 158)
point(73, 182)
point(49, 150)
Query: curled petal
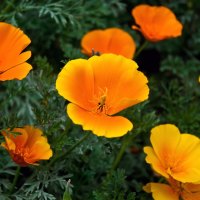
point(101, 125)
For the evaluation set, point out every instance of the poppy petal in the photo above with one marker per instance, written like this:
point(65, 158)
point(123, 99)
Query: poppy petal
point(111, 40)
point(34, 135)
point(8, 144)
point(152, 159)
point(39, 151)
point(101, 125)
point(187, 159)
point(125, 85)
point(20, 138)
point(159, 135)
point(16, 72)
point(161, 191)
point(13, 42)
point(76, 83)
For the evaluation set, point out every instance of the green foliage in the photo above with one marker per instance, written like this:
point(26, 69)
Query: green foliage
point(114, 187)
point(56, 28)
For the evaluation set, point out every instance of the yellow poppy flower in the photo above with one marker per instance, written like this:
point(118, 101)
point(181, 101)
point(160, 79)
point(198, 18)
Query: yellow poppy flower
point(99, 88)
point(156, 22)
point(13, 63)
point(110, 40)
point(174, 154)
point(27, 148)
point(174, 191)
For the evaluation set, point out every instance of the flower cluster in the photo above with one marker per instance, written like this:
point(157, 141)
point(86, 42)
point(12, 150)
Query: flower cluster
point(100, 87)
point(105, 84)
point(175, 156)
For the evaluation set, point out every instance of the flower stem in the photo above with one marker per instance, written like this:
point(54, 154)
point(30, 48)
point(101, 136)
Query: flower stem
point(70, 150)
point(126, 142)
point(17, 172)
point(142, 47)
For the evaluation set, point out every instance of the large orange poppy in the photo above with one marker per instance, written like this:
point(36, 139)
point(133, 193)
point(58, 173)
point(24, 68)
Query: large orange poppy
point(110, 40)
point(28, 147)
point(156, 22)
point(99, 88)
point(13, 63)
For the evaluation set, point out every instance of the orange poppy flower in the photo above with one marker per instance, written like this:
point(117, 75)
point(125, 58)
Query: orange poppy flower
point(12, 62)
point(111, 40)
point(156, 22)
point(173, 191)
point(28, 147)
point(99, 88)
point(174, 154)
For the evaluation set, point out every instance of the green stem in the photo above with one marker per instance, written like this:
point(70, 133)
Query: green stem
point(120, 154)
point(70, 150)
point(17, 172)
point(142, 47)
point(126, 142)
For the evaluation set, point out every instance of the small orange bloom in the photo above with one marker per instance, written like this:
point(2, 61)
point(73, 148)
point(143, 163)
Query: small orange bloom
point(28, 147)
point(12, 62)
point(174, 154)
point(99, 88)
point(173, 191)
point(111, 40)
point(156, 22)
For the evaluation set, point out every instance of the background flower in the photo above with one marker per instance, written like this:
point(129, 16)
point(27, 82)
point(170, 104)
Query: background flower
point(100, 87)
point(28, 147)
point(156, 22)
point(110, 40)
point(174, 154)
point(12, 62)
point(174, 190)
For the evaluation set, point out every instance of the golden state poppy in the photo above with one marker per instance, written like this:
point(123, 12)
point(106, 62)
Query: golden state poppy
point(174, 154)
point(156, 22)
point(175, 190)
point(13, 63)
point(110, 40)
point(99, 88)
point(28, 147)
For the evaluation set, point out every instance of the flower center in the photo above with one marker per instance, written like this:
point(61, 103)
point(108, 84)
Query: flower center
point(100, 101)
point(95, 53)
point(20, 155)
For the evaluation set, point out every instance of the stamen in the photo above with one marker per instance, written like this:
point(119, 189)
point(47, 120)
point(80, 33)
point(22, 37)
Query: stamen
point(100, 101)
